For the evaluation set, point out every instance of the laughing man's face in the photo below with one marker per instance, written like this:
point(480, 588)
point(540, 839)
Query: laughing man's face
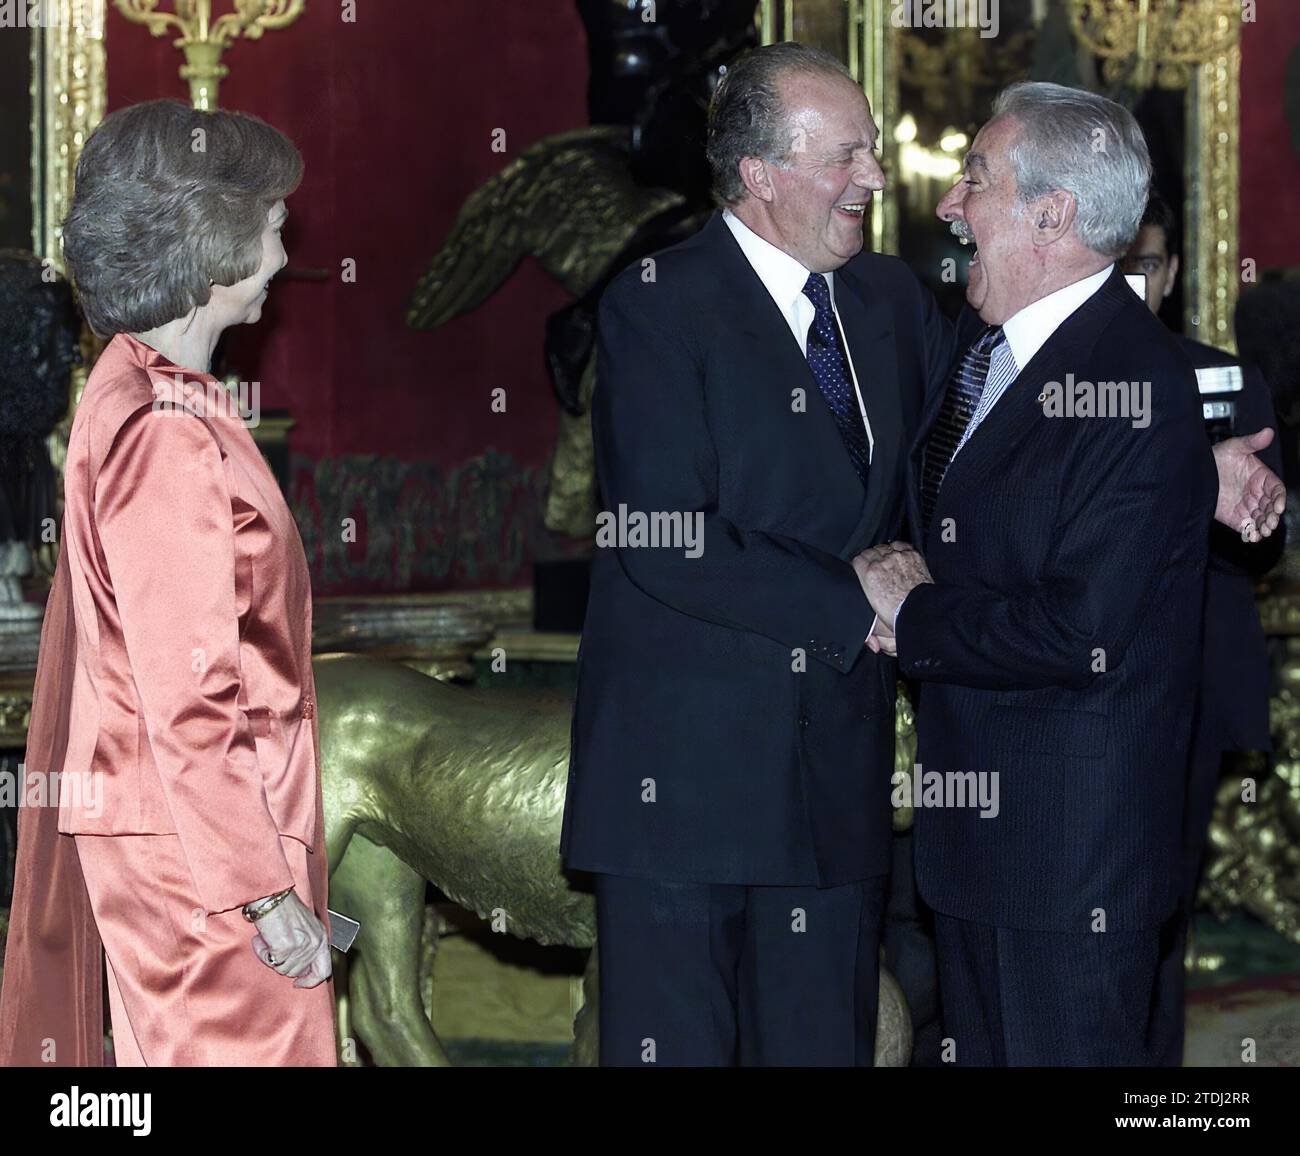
point(819, 198)
point(984, 207)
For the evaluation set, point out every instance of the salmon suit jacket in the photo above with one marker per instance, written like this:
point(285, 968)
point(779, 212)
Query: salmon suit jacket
point(174, 690)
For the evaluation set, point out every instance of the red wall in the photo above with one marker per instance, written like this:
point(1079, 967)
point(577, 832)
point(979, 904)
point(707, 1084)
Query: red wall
point(1270, 168)
point(394, 117)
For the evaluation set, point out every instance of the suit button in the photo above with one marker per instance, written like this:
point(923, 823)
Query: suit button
point(803, 720)
point(308, 709)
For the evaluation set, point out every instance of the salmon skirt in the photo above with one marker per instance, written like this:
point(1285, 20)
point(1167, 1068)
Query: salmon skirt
point(184, 987)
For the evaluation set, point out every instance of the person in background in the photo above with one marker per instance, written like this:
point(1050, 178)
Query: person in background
point(1232, 708)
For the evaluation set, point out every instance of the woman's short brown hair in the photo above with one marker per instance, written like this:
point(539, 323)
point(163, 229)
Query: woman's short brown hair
point(169, 199)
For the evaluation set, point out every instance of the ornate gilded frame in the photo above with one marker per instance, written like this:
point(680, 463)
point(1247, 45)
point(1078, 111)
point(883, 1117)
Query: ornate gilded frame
point(68, 93)
point(1213, 272)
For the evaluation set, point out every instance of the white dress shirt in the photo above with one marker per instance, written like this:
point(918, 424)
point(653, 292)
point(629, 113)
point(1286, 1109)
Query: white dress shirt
point(784, 278)
point(1023, 335)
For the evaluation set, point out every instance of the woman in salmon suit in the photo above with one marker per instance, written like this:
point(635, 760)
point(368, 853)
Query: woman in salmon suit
point(175, 690)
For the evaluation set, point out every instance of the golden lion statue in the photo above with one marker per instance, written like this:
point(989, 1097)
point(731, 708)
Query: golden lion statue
point(463, 788)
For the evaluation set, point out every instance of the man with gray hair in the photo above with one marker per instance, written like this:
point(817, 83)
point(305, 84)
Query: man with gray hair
point(1066, 488)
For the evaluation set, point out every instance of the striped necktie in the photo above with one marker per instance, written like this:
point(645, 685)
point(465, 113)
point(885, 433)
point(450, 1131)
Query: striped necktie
point(955, 413)
point(830, 367)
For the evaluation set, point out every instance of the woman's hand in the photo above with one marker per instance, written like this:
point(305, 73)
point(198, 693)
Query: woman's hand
point(297, 941)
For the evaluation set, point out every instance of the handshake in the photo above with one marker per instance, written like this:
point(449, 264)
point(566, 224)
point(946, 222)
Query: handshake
point(888, 573)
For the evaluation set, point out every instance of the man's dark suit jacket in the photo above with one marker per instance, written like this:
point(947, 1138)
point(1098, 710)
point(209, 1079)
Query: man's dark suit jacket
point(1233, 713)
point(690, 690)
point(1077, 541)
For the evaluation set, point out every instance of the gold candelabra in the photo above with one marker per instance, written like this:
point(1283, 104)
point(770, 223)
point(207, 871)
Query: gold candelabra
point(1146, 42)
point(204, 39)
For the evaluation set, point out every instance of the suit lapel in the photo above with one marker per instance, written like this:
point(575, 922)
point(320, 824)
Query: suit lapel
point(761, 322)
point(869, 331)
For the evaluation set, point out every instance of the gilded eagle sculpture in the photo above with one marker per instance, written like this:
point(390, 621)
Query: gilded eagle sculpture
point(587, 203)
point(570, 202)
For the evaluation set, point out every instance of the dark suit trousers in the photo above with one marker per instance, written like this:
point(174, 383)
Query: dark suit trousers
point(715, 974)
point(1046, 999)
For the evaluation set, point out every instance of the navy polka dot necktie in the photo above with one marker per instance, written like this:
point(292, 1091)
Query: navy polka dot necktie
point(830, 367)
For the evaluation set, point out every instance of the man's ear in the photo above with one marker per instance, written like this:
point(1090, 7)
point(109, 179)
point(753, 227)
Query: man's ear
point(1172, 278)
point(758, 180)
point(1052, 215)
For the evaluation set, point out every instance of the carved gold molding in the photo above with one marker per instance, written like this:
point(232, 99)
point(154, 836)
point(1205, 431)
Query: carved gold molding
point(68, 94)
point(1212, 267)
point(1279, 612)
point(1253, 862)
point(1154, 42)
point(1193, 45)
